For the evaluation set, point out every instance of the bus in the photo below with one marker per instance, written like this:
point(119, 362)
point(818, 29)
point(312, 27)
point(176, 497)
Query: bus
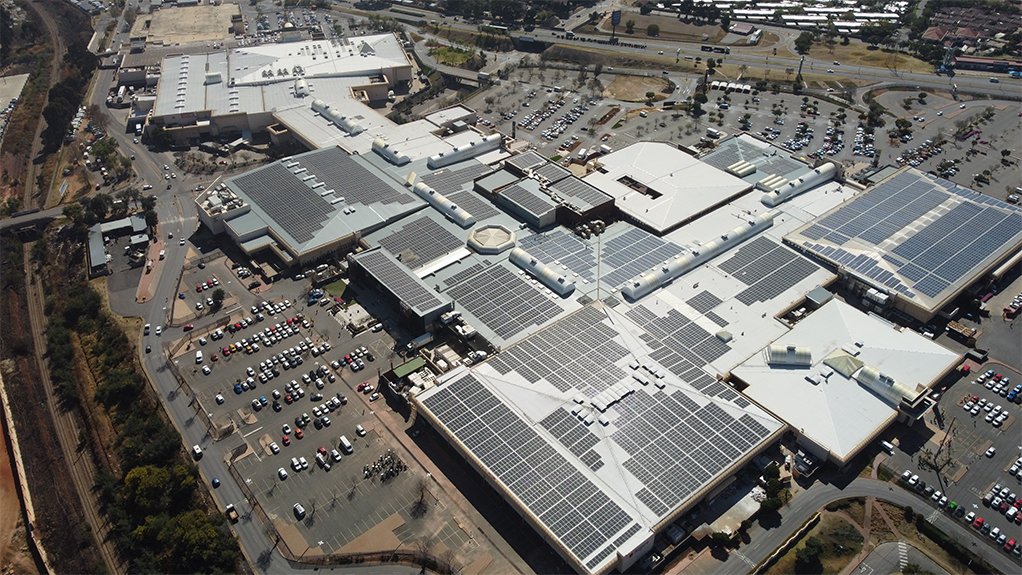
point(706, 48)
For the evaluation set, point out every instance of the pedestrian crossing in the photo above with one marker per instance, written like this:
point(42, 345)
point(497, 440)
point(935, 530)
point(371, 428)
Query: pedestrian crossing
point(902, 555)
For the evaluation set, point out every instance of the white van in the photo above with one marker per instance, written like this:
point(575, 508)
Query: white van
point(198, 356)
point(346, 445)
point(889, 448)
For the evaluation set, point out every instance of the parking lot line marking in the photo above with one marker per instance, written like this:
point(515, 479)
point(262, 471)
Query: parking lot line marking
point(256, 430)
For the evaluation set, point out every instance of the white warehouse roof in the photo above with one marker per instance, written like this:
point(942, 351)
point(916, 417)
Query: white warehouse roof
point(828, 399)
point(662, 187)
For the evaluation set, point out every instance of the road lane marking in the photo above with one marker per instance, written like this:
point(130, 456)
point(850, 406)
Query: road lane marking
point(253, 431)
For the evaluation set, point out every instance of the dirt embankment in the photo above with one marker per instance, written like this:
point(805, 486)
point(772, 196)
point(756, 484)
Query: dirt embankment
point(59, 519)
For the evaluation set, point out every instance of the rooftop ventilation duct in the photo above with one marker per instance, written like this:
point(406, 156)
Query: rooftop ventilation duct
point(443, 205)
point(381, 147)
point(465, 151)
point(741, 168)
point(885, 386)
point(557, 283)
point(782, 193)
point(790, 355)
point(681, 264)
point(348, 125)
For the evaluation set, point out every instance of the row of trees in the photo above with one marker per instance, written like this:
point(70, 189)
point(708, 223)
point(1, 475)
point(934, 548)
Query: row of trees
point(146, 488)
point(65, 95)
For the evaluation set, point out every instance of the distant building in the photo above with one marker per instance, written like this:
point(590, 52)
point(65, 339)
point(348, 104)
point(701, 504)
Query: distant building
point(742, 28)
point(987, 64)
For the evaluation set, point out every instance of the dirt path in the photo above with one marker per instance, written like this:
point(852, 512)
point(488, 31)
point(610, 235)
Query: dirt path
point(79, 464)
point(57, 41)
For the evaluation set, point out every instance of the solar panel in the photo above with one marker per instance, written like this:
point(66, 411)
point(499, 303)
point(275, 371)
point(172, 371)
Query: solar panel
point(350, 179)
point(527, 161)
point(503, 301)
point(399, 280)
point(577, 353)
point(676, 342)
point(580, 194)
point(927, 234)
point(552, 173)
point(575, 510)
point(634, 252)
point(420, 241)
point(450, 180)
point(466, 273)
point(704, 301)
point(535, 203)
point(559, 248)
point(295, 207)
point(768, 268)
point(471, 202)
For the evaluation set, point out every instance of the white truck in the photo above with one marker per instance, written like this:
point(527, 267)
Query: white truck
point(420, 341)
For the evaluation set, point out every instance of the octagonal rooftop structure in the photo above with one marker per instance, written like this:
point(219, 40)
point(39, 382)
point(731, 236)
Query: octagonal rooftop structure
point(491, 239)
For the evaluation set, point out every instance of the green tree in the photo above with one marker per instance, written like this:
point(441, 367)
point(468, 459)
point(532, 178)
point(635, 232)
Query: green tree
point(630, 27)
point(74, 212)
point(807, 559)
point(771, 504)
point(151, 218)
point(652, 30)
point(646, 8)
point(149, 203)
point(218, 298)
point(650, 95)
point(804, 42)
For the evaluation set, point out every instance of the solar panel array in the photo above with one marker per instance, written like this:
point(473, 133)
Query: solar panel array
point(580, 194)
point(768, 161)
point(295, 207)
point(420, 241)
point(473, 204)
point(552, 173)
point(634, 252)
point(768, 268)
point(350, 179)
point(577, 353)
point(559, 248)
point(449, 180)
point(466, 273)
point(949, 233)
point(574, 435)
point(704, 301)
point(503, 301)
point(527, 161)
point(682, 346)
point(566, 501)
point(678, 446)
point(535, 203)
point(399, 280)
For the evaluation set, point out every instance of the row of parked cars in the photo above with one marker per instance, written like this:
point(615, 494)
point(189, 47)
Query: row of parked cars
point(1009, 544)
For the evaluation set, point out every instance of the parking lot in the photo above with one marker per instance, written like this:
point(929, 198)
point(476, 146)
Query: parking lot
point(973, 437)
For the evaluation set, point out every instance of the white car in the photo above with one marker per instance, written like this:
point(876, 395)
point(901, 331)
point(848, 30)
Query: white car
point(274, 448)
point(991, 451)
point(220, 399)
point(159, 329)
point(206, 370)
point(282, 473)
point(359, 430)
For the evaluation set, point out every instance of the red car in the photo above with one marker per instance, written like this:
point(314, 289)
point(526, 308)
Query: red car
point(285, 440)
point(188, 327)
point(299, 434)
point(198, 288)
point(362, 385)
point(1010, 544)
point(978, 523)
point(322, 451)
point(214, 357)
point(997, 377)
point(288, 399)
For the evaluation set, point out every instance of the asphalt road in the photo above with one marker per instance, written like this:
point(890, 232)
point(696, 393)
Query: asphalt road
point(893, 557)
point(802, 507)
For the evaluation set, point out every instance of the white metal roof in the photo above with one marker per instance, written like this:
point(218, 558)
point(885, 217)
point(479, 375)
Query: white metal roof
point(680, 186)
point(839, 414)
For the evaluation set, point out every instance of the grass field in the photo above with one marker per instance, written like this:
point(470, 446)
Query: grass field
point(451, 56)
point(336, 288)
point(858, 54)
point(670, 29)
point(634, 88)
